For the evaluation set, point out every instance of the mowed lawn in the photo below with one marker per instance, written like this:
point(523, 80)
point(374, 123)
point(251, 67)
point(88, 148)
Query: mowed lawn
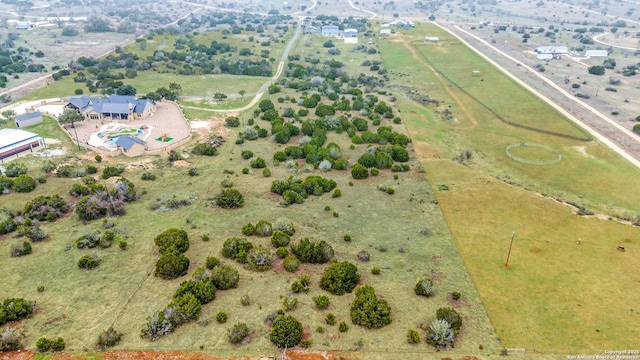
point(568, 289)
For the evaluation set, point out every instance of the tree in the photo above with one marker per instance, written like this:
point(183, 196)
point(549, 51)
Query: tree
point(340, 278)
point(265, 105)
point(9, 114)
point(368, 310)
point(219, 96)
point(96, 24)
point(70, 116)
point(286, 332)
point(596, 70)
point(126, 90)
point(242, 92)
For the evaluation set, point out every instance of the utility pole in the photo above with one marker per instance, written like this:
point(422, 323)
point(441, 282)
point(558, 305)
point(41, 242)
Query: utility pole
point(513, 234)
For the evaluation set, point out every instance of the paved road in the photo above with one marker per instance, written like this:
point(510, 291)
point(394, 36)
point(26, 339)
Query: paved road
point(620, 130)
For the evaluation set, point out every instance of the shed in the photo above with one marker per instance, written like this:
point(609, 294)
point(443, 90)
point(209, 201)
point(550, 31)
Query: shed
point(131, 145)
point(16, 141)
point(551, 50)
point(23, 25)
point(596, 53)
point(350, 33)
point(545, 57)
point(28, 119)
point(385, 32)
point(433, 39)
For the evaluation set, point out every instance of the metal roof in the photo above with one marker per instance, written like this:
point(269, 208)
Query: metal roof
point(28, 116)
point(11, 137)
point(127, 141)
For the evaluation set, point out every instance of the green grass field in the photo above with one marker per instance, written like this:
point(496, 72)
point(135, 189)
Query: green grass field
point(567, 289)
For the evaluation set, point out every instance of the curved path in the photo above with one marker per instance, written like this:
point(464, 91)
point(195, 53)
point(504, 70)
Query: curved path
point(373, 15)
point(596, 39)
point(568, 95)
point(264, 86)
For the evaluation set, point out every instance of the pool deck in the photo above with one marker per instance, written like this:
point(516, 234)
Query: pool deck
point(167, 119)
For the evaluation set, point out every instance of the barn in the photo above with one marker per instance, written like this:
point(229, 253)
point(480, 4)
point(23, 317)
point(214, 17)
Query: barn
point(28, 119)
point(16, 141)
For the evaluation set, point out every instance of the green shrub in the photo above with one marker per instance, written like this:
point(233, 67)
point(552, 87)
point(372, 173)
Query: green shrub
point(336, 193)
point(5, 184)
point(95, 239)
point(440, 333)
point(291, 263)
point(21, 249)
point(24, 184)
point(340, 278)
point(91, 169)
point(58, 344)
point(90, 208)
point(280, 239)
point(390, 191)
point(305, 344)
point(193, 171)
point(225, 277)
point(11, 340)
point(375, 270)
point(424, 287)
point(33, 232)
point(172, 264)
point(368, 310)
point(374, 172)
point(230, 199)
point(413, 336)
point(88, 262)
point(238, 333)
point(289, 303)
point(14, 309)
point(246, 154)
point(330, 319)
point(266, 172)
point(280, 156)
point(111, 171)
point(15, 169)
point(221, 317)
point(451, 316)
point(205, 150)
point(147, 176)
point(263, 228)
point(282, 252)
point(258, 163)
point(108, 338)
point(235, 247)
point(315, 253)
point(322, 302)
point(358, 171)
point(456, 295)
point(347, 237)
point(202, 288)
point(172, 239)
point(98, 158)
point(212, 262)
point(248, 229)
point(259, 259)
point(79, 190)
point(48, 166)
point(232, 121)
point(286, 332)
point(43, 344)
point(343, 327)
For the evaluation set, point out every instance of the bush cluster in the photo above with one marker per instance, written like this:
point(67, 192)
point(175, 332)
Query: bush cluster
point(295, 190)
point(46, 208)
point(285, 225)
point(322, 302)
point(111, 171)
point(368, 310)
point(172, 264)
point(23, 184)
point(89, 262)
point(315, 253)
point(21, 249)
point(263, 228)
point(44, 344)
point(108, 338)
point(259, 259)
point(205, 150)
point(238, 333)
point(212, 262)
point(280, 239)
point(95, 239)
point(424, 287)
point(291, 263)
point(181, 310)
point(11, 339)
point(236, 248)
point(14, 309)
point(340, 278)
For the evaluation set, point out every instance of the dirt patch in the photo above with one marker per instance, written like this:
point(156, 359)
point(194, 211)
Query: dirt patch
point(327, 355)
point(146, 164)
point(181, 163)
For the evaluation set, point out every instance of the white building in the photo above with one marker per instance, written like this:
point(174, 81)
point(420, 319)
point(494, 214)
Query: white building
point(596, 53)
point(551, 50)
point(16, 141)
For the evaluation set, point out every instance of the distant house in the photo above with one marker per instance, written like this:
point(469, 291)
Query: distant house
point(29, 119)
point(114, 107)
point(350, 33)
point(131, 145)
point(329, 30)
point(23, 25)
point(596, 53)
point(16, 141)
point(385, 32)
point(407, 24)
point(554, 50)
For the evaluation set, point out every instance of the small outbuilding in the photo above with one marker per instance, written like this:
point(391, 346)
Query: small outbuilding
point(432, 39)
point(16, 141)
point(385, 32)
point(28, 119)
point(131, 145)
point(596, 53)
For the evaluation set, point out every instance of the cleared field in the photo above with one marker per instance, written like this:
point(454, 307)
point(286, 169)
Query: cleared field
point(567, 287)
